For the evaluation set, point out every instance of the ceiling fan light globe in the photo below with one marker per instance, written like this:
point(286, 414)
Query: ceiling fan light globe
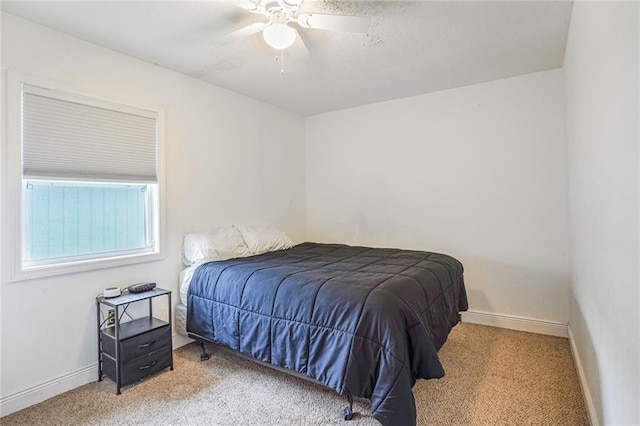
point(279, 36)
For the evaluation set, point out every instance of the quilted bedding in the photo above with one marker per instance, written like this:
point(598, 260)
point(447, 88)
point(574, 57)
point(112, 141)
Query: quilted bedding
point(363, 321)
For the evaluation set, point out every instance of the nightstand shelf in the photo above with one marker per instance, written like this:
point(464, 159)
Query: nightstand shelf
point(129, 351)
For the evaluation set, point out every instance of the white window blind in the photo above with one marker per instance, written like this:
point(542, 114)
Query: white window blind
point(70, 137)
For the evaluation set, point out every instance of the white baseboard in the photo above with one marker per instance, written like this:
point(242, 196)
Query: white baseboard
point(49, 389)
point(591, 409)
point(532, 325)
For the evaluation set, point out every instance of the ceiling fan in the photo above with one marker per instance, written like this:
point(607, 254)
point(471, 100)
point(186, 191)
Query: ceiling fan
point(277, 31)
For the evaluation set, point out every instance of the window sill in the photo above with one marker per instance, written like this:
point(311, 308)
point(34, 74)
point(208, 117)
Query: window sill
point(83, 266)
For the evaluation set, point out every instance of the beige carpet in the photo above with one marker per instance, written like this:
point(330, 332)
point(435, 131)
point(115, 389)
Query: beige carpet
point(494, 377)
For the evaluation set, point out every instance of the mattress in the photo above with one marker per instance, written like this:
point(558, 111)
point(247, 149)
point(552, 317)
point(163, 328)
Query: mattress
point(180, 319)
point(184, 280)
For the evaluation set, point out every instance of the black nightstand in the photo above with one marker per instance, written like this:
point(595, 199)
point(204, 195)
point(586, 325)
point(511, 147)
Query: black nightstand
point(129, 351)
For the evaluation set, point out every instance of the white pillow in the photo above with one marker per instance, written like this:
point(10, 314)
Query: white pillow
point(261, 239)
point(218, 244)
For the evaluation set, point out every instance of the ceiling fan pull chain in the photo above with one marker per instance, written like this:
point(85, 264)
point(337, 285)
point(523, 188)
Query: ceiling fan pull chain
point(281, 61)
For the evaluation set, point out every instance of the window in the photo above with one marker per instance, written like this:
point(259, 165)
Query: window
point(90, 182)
point(76, 220)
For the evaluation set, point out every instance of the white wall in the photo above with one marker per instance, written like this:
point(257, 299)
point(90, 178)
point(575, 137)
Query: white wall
point(229, 159)
point(601, 89)
point(478, 172)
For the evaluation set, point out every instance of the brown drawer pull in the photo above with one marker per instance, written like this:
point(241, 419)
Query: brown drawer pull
point(146, 367)
point(146, 345)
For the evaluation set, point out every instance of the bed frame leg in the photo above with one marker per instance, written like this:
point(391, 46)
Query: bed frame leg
point(204, 355)
point(348, 411)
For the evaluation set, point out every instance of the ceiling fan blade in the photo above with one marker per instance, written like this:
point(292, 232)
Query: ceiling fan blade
point(241, 34)
point(298, 49)
point(356, 24)
point(253, 6)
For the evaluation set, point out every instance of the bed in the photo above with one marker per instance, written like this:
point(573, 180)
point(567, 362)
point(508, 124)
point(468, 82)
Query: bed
point(365, 322)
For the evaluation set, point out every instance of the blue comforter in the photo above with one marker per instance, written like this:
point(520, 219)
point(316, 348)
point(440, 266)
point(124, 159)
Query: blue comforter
point(363, 321)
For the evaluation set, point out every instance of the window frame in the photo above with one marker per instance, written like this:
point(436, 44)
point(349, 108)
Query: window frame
point(13, 220)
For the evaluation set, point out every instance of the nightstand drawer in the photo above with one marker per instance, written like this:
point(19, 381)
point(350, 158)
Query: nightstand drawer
point(138, 342)
point(146, 365)
point(145, 343)
point(138, 368)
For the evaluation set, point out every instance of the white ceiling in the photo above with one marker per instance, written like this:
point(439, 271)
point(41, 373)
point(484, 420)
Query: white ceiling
point(412, 47)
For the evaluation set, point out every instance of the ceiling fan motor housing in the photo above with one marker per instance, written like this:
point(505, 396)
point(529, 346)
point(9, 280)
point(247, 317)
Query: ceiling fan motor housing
point(279, 15)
